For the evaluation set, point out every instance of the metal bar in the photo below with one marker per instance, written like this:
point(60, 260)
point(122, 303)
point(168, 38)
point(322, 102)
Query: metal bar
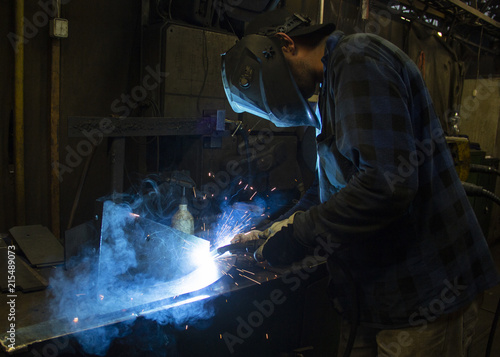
point(475, 12)
point(19, 115)
point(98, 127)
point(321, 14)
point(420, 6)
point(54, 119)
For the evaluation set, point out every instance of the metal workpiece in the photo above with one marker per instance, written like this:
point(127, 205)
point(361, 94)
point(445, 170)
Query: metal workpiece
point(97, 312)
point(223, 276)
point(133, 270)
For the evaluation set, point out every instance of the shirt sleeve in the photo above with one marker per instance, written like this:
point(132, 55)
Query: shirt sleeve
point(373, 130)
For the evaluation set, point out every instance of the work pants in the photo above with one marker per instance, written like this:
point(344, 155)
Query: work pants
point(449, 335)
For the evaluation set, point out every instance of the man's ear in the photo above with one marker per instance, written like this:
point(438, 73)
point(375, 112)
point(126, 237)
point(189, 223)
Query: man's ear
point(288, 45)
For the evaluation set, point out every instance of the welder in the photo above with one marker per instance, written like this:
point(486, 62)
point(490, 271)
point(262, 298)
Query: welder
point(405, 234)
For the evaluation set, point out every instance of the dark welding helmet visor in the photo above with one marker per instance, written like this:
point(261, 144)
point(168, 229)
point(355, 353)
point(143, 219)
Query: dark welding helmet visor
point(257, 80)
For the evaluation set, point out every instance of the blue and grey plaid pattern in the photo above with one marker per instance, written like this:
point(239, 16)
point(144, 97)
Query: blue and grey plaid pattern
point(390, 192)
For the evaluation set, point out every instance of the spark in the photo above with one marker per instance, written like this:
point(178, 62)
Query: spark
point(101, 297)
point(267, 336)
point(134, 215)
point(229, 225)
point(244, 276)
point(220, 336)
point(272, 189)
point(253, 195)
point(186, 327)
point(75, 320)
point(246, 271)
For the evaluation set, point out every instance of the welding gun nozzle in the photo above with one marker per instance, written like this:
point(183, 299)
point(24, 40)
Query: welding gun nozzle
point(242, 248)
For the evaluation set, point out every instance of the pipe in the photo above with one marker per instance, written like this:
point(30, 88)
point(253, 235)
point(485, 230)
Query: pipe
point(54, 121)
point(19, 115)
point(321, 11)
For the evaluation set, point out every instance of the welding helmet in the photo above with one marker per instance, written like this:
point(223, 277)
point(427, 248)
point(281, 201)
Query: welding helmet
point(256, 76)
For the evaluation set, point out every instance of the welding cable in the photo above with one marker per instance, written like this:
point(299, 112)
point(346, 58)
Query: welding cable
point(421, 63)
point(493, 330)
point(483, 169)
point(335, 262)
point(478, 191)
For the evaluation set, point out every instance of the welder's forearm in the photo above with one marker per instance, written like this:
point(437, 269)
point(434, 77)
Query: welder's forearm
point(308, 200)
point(353, 213)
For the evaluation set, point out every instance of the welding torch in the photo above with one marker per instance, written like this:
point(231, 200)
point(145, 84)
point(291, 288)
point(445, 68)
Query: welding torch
point(248, 247)
point(255, 246)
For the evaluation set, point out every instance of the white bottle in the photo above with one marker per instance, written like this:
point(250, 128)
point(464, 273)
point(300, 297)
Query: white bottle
point(183, 220)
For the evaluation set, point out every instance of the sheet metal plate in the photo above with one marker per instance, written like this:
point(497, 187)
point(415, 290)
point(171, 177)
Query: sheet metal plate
point(39, 245)
point(175, 293)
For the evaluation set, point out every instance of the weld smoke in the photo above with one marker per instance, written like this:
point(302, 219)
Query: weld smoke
point(95, 288)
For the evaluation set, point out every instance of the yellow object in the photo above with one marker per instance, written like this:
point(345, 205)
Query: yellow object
point(275, 227)
point(460, 151)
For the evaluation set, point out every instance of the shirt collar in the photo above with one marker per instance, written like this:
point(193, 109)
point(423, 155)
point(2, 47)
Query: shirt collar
point(331, 43)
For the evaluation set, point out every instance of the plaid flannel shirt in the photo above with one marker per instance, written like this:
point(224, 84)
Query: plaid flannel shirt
point(389, 191)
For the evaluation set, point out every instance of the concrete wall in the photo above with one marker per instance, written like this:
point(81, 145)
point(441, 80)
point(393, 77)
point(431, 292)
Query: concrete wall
point(480, 121)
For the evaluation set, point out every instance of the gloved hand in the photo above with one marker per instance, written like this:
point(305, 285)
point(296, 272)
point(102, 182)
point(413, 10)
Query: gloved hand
point(281, 248)
point(248, 236)
point(256, 234)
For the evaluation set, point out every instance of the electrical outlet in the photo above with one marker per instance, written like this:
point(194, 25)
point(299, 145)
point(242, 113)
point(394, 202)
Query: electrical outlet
point(58, 28)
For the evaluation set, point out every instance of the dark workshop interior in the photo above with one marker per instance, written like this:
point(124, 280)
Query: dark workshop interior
point(123, 166)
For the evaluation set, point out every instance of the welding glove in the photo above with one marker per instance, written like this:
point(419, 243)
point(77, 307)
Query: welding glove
point(256, 234)
point(281, 248)
point(248, 236)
